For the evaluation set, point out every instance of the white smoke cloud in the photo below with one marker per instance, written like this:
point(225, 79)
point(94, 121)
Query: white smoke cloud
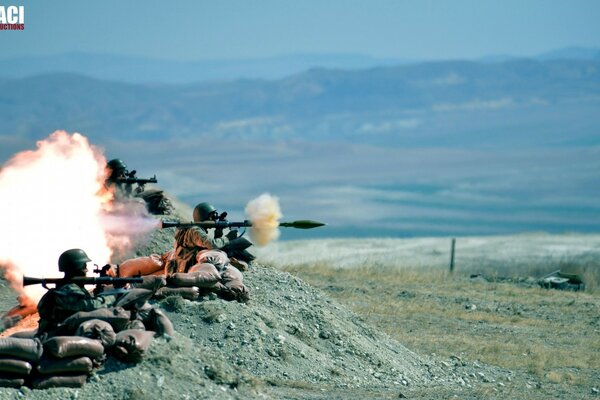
point(54, 199)
point(264, 212)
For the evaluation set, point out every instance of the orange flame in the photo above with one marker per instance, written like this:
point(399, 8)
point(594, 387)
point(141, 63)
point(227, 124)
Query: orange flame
point(54, 199)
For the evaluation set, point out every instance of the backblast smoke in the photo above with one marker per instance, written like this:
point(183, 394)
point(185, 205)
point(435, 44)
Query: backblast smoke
point(54, 199)
point(264, 212)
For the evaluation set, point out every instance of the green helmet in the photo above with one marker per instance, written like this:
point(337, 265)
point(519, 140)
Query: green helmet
point(72, 260)
point(116, 165)
point(202, 212)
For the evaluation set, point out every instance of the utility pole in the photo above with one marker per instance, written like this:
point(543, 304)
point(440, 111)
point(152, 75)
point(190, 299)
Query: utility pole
point(452, 255)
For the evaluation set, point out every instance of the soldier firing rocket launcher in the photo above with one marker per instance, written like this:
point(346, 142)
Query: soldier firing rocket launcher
point(237, 247)
point(263, 221)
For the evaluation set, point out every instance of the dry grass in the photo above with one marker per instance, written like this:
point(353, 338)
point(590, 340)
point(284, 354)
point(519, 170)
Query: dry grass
point(554, 335)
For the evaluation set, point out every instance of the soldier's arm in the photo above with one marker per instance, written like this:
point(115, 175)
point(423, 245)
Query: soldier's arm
point(201, 239)
point(77, 301)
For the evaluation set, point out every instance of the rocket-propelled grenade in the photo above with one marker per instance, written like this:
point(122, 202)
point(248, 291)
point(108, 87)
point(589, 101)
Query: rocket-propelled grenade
point(299, 224)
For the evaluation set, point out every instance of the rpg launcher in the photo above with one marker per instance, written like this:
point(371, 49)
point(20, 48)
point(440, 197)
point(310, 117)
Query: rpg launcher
point(99, 281)
point(300, 224)
point(130, 179)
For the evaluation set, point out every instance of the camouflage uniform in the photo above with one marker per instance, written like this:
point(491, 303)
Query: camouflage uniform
point(189, 242)
point(60, 303)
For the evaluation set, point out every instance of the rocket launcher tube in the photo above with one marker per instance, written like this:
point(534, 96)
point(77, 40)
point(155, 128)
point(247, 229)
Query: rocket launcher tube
point(299, 224)
point(93, 280)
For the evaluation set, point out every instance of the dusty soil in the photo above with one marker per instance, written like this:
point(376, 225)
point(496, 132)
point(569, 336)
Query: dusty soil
point(293, 340)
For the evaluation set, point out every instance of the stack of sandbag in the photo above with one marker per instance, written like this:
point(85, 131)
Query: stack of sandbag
point(116, 317)
point(126, 330)
point(212, 273)
point(18, 356)
point(231, 277)
point(67, 361)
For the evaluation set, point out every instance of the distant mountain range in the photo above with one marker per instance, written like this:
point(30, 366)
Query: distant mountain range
point(438, 103)
point(135, 69)
point(148, 70)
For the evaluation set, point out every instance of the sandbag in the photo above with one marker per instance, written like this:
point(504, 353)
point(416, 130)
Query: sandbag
point(59, 381)
point(23, 349)
point(131, 345)
point(190, 293)
point(232, 279)
point(98, 330)
point(65, 366)
point(216, 257)
point(140, 266)
point(135, 324)
point(160, 323)
point(143, 313)
point(205, 276)
point(25, 334)
point(117, 317)
point(153, 282)
point(134, 298)
point(11, 382)
point(16, 367)
point(72, 346)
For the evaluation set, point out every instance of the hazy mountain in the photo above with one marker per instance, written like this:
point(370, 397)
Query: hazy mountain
point(572, 53)
point(143, 70)
point(460, 103)
point(134, 69)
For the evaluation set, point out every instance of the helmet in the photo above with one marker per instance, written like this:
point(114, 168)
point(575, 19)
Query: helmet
point(202, 211)
point(116, 165)
point(72, 260)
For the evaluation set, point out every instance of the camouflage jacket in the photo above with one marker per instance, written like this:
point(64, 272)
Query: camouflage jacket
point(190, 241)
point(60, 303)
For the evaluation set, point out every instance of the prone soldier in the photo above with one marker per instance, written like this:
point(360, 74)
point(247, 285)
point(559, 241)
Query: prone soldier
point(122, 180)
point(70, 296)
point(189, 241)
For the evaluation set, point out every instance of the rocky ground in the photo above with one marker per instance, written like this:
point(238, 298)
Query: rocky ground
point(291, 340)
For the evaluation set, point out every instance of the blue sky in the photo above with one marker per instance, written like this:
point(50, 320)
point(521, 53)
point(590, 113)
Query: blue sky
point(414, 30)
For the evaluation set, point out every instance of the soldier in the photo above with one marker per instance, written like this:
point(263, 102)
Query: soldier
point(190, 241)
point(122, 180)
point(118, 172)
point(65, 300)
